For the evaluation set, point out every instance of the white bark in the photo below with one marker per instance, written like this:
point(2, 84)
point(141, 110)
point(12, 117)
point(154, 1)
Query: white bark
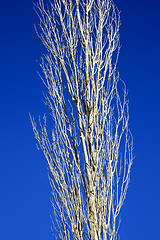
point(89, 152)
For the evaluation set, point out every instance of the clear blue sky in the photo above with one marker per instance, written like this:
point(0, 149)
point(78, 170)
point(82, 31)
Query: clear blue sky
point(24, 187)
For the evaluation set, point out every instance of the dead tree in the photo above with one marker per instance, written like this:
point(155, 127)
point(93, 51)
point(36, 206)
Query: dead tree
point(89, 149)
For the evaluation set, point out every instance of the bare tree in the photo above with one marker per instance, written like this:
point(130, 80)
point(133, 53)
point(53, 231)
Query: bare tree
point(89, 150)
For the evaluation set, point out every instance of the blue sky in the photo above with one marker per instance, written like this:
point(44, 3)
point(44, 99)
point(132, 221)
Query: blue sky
point(24, 188)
